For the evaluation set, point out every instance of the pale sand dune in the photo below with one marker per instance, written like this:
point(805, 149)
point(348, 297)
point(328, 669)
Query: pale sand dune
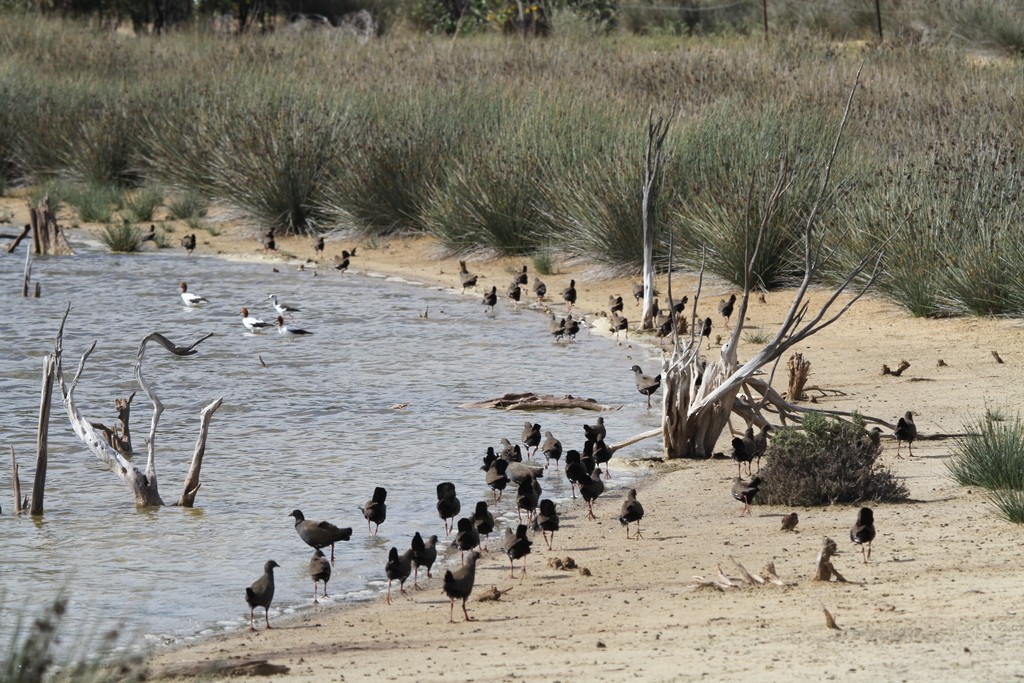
point(943, 598)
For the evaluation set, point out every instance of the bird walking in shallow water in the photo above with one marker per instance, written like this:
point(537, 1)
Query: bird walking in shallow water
point(424, 554)
point(319, 570)
point(375, 510)
point(465, 277)
point(491, 299)
point(744, 492)
point(863, 531)
point(448, 505)
point(319, 535)
point(282, 309)
point(646, 384)
point(906, 430)
point(632, 511)
point(191, 300)
point(569, 295)
point(261, 593)
point(188, 243)
point(551, 448)
point(252, 323)
point(531, 438)
point(540, 290)
point(288, 330)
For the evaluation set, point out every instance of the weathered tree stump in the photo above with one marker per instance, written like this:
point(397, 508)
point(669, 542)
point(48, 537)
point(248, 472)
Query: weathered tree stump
point(47, 237)
point(824, 571)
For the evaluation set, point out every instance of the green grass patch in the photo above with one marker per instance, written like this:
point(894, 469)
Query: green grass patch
point(139, 205)
point(94, 203)
point(991, 455)
point(123, 238)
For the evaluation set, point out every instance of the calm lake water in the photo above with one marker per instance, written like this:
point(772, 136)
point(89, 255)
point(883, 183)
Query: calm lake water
point(313, 430)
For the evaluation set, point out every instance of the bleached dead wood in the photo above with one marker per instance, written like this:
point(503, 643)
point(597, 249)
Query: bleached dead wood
point(192, 483)
point(17, 240)
point(823, 570)
point(143, 483)
point(531, 401)
point(768, 574)
point(747, 576)
point(653, 157)
point(722, 582)
point(47, 235)
point(15, 482)
point(39, 481)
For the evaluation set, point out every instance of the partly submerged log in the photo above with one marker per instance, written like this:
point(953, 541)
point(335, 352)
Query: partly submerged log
point(531, 401)
point(39, 483)
point(48, 237)
point(17, 239)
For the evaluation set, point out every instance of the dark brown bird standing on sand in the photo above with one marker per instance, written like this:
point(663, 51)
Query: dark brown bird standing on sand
point(863, 532)
point(491, 299)
point(540, 290)
point(706, 330)
point(906, 430)
point(483, 520)
point(591, 488)
point(467, 537)
point(575, 472)
point(261, 593)
point(531, 438)
point(318, 245)
point(646, 384)
point(465, 277)
point(188, 242)
point(458, 584)
point(517, 546)
point(268, 241)
point(743, 450)
point(319, 570)
point(398, 568)
point(726, 308)
point(790, 521)
point(521, 278)
point(569, 294)
point(319, 534)
point(448, 505)
point(375, 510)
point(744, 492)
point(547, 520)
point(632, 511)
point(527, 498)
point(424, 554)
point(552, 449)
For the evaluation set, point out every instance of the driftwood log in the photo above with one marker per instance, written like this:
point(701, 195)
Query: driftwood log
point(47, 237)
point(531, 401)
point(17, 239)
point(143, 483)
point(120, 435)
point(39, 482)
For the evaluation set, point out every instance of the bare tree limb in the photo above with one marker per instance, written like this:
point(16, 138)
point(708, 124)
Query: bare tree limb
point(192, 483)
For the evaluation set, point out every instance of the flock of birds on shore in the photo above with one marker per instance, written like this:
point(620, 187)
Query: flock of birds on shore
point(505, 467)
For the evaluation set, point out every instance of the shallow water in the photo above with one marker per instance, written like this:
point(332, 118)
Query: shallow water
point(314, 430)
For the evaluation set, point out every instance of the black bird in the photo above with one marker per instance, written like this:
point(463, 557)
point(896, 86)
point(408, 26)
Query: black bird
point(743, 450)
point(540, 290)
point(424, 554)
point(863, 532)
point(745, 491)
point(467, 537)
point(459, 584)
point(448, 505)
point(569, 294)
point(319, 534)
point(517, 546)
point(632, 511)
point(521, 278)
point(906, 430)
point(646, 384)
point(342, 262)
point(551, 448)
point(261, 593)
point(726, 308)
point(680, 305)
point(188, 242)
point(508, 451)
point(375, 511)
point(547, 520)
point(557, 327)
point(398, 568)
point(320, 570)
point(614, 304)
point(491, 299)
point(596, 432)
point(590, 489)
point(527, 497)
point(601, 454)
point(318, 245)
point(497, 479)
point(515, 293)
point(268, 241)
point(531, 438)
point(572, 327)
point(483, 520)
point(465, 277)
point(638, 292)
point(706, 330)
point(575, 472)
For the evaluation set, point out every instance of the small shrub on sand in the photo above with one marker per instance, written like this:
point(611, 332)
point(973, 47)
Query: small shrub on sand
point(142, 203)
point(828, 461)
point(94, 203)
point(187, 206)
point(991, 455)
point(122, 239)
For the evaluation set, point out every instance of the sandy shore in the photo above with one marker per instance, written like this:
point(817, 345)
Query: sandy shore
point(942, 599)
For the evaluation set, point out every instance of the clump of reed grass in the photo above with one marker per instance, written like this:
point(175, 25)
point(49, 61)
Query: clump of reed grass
point(140, 204)
point(828, 461)
point(186, 206)
point(122, 238)
point(543, 262)
point(94, 203)
point(991, 455)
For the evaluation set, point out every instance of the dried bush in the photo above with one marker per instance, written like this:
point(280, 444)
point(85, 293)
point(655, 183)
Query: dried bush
point(828, 461)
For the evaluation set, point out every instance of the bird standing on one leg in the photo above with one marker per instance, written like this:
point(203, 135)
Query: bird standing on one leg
point(863, 531)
